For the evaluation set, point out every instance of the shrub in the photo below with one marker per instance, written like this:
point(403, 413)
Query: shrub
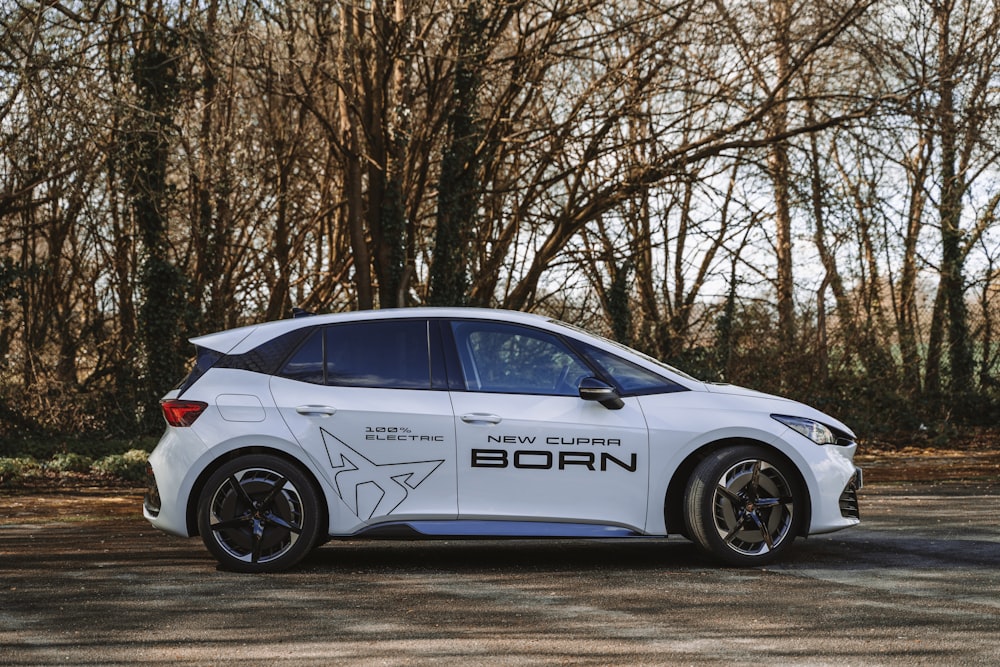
point(45, 447)
point(130, 466)
point(70, 462)
point(17, 468)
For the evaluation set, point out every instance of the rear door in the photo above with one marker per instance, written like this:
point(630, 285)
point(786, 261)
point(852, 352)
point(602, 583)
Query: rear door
point(361, 399)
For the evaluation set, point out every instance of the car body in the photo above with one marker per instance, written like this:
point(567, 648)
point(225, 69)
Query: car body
point(480, 423)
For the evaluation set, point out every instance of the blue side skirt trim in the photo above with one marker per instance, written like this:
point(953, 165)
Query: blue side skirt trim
point(417, 529)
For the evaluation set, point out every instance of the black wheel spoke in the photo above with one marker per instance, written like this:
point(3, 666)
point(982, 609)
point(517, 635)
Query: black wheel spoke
point(240, 491)
point(258, 538)
point(737, 526)
point(755, 479)
point(772, 502)
point(763, 530)
point(276, 520)
point(268, 500)
point(237, 522)
point(730, 496)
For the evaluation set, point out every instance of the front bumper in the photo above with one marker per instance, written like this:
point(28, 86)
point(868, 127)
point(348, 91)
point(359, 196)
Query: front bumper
point(849, 507)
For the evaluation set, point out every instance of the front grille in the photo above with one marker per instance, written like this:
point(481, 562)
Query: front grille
point(849, 498)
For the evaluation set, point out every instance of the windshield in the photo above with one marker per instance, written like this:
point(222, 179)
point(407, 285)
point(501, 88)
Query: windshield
point(620, 346)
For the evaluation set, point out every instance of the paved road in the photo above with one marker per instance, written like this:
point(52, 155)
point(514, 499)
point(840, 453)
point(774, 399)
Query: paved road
point(919, 583)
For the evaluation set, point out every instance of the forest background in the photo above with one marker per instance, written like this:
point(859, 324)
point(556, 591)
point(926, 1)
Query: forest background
point(799, 196)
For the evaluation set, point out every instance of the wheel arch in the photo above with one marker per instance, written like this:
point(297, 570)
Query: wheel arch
point(673, 505)
point(191, 511)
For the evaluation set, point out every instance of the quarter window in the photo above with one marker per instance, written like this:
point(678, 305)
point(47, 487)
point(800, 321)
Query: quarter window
point(632, 380)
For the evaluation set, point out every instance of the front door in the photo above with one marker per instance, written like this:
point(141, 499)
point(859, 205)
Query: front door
point(529, 448)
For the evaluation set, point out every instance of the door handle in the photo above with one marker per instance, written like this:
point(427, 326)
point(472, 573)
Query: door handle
point(316, 410)
point(481, 418)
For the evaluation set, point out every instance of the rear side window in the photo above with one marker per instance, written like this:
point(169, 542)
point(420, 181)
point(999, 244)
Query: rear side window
point(306, 365)
point(390, 354)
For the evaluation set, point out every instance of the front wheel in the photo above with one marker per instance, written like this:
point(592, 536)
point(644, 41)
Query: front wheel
point(743, 506)
point(259, 513)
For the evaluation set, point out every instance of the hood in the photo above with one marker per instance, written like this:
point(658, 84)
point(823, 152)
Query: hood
point(780, 404)
point(734, 390)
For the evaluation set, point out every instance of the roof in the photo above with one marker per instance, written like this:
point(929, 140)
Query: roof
point(244, 339)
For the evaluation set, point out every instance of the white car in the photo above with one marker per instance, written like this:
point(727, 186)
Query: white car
point(485, 423)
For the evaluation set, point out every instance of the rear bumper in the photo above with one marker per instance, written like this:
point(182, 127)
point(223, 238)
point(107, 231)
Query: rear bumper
point(166, 501)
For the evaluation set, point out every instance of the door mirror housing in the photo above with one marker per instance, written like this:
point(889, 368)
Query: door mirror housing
point(592, 389)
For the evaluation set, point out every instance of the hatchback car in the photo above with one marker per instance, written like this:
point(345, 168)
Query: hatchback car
point(480, 423)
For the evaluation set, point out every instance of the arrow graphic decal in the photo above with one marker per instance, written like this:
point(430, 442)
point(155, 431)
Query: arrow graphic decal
point(370, 488)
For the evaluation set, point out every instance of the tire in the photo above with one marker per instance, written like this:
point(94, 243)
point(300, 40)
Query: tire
point(259, 513)
point(743, 506)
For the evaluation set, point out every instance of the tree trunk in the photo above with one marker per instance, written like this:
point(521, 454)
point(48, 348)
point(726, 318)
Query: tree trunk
point(780, 172)
point(352, 27)
point(458, 191)
point(953, 188)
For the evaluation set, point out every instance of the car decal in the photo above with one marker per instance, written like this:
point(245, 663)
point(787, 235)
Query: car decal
point(370, 488)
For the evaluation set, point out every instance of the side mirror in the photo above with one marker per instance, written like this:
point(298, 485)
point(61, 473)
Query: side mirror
point(592, 389)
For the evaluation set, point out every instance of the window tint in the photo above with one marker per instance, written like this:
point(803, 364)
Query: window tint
point(266, 357)
point(205, 359)
point(388, 353)
point(306, 365)
point(631, 379)
point(504, 358)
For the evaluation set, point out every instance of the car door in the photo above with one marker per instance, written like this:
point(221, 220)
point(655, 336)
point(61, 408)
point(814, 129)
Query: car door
point(361, 399)
point(529, 448)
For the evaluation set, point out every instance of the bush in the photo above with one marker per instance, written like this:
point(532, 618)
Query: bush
point(130, 466)
point(70, 462)
point(18, 468)
point(45, 448)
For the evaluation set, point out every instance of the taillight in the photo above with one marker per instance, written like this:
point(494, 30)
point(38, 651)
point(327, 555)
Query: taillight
point(181, 413)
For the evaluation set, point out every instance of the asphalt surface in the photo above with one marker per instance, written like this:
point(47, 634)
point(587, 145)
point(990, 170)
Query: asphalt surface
point(917, 583)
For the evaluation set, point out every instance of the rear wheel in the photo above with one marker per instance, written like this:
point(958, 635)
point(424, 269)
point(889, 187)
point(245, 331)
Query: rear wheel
point(743, 506)
point(259, 513)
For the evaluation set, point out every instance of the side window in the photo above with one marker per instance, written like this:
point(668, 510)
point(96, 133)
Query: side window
point(631, 379)
point(387, 353)
point(306, 365)
point(504, 358)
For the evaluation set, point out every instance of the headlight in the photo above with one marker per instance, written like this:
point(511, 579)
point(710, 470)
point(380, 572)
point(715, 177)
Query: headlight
point(815, 431)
